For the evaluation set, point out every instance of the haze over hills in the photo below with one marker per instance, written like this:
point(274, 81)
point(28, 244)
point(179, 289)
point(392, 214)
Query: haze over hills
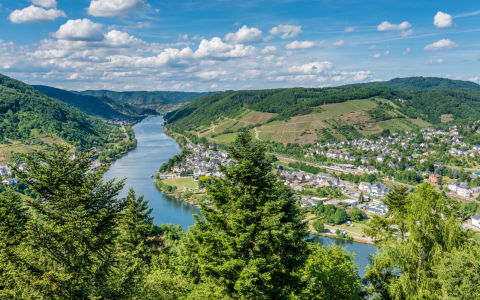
point(303, 115)
point(101, 106)
point(162, 101)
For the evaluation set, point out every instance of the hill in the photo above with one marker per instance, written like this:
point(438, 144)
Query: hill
point(162, 101)
point(424, 83)
point(27, 116)
point(304, 115)
point(101, 106)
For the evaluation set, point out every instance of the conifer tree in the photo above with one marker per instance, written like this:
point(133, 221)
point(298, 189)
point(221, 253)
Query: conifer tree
point(252, 240)
point(67, 250)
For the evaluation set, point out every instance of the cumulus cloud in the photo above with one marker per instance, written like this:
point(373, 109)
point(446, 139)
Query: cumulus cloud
point(269, 49)
point(45, 3)
point(301, 45)
point(245, 35)
point(387, 52)
point(434, 61)
point(138, 25)
point(474, 79)
point(339, 43)
point(315, 67)
point(377, 55)
point(286, 31)
point(349, 29)
point(216, 48)
point(117, 38)
point(407, 51)
point(373, 47)
point(387, 26)
point(442, 20)
point(80, 30)
point(209, 75)
point(114, 8)
point(34, 14)
point(443, 44)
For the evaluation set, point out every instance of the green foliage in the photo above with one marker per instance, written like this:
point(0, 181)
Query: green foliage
point(361, 198)
point(96, 106)
point(340, 216)
point(404, 267)
point(65, 243)
point(177, 159)
point(251, 242)
point(330, 273)
point(24, 109)
point(356, 215)
point(471, 207)
point(318, 225)
point(424, 83)
point(306, 168)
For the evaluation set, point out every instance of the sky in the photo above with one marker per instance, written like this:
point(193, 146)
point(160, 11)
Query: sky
point(213, 45)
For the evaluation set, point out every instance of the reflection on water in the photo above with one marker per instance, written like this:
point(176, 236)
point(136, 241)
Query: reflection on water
point(154, 148)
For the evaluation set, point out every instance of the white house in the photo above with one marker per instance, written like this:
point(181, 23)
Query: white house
point(476, 220)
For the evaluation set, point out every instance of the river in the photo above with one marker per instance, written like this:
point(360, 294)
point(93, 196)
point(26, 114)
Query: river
point(154, 148)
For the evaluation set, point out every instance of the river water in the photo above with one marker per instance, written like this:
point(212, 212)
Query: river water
point(154, 148)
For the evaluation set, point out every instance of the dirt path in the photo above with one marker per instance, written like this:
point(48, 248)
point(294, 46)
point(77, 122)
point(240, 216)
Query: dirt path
point(256, 134)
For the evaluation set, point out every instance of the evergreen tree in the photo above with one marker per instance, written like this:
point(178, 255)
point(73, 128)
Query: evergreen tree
point(404, 265)
point(361, 199)
point(252, 241)
point(67, 251)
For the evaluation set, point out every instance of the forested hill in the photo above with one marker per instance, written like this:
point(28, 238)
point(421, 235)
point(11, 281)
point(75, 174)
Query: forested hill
point(424, 83)
point(308, 114)
point(145, 97)
point(101, 106)
point(26, 114)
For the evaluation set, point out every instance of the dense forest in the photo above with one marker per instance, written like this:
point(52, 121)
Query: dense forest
point(101, 106)
point(25, 114)
point(78, 240)
point(424, 83)
point(146, 97)
point(461, 102)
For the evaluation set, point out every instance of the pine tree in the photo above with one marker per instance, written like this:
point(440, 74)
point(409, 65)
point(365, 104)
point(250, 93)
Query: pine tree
point(67, 251)
point(252, 240)
point(403, 267)
point(361, 199)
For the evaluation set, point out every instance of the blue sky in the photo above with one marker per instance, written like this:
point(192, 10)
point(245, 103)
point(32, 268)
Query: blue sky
point(226, 44)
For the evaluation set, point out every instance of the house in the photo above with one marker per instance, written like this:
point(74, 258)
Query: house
point(435, 179)
point(364, 187)
point(476, 220)
point(452, 186)
point(464, 190)
point(11, 181)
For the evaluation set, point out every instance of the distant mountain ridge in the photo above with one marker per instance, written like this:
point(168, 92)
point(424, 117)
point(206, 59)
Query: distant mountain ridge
point(423, 83)
point(101, 106)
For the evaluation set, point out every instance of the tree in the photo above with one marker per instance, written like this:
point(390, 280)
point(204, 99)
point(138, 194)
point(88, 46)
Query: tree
point(318, 225)
point(251, 243)
point(340, 216)
point(361, 199)
point(403, 267)
point(330, 273)
point(67, 245)
point(356, 215)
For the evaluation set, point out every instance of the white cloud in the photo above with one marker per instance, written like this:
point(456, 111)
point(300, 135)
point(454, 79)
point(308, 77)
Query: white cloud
point(245, 35)
point(269, 49)
point(80, 30)
point(339, 43)
point(349, 29)
point(209, 75)
point(442, 20)
point(301, 45)
point(376, 55)
point(45, 3)
point(474, 79)
point(315, 67)
point(434, 61)
point(406, 32)
point(387, 26)
point(114, 8)
point(216, 48)
point(373, 47)
point(387, 52)
point(407, 51)
point(33, 14)
point(286, 31)
point(138, 25)
point(443, 44)
point(117, 38)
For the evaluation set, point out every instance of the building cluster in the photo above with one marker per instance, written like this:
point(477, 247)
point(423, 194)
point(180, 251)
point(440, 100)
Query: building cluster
point(297, 179)
point(203, 162)
point(376, 189)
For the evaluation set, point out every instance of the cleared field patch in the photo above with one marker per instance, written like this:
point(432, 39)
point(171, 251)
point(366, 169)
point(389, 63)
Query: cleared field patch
point(394, 125)
point(259, 118)
point(420, 122)
point(188, 183)
point(226, 138)
point(446, 118)
point(224, 126)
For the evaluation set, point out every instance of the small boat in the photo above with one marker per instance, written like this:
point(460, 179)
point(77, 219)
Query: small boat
point(151, 176)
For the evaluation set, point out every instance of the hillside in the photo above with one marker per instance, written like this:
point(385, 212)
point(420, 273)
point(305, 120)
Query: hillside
point(27, 116)
point(101, 106)
point(304, 115)
point(161, 101)
point(424, 83)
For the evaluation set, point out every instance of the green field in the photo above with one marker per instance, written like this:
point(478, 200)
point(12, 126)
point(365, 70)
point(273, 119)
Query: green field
point(188, 183)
